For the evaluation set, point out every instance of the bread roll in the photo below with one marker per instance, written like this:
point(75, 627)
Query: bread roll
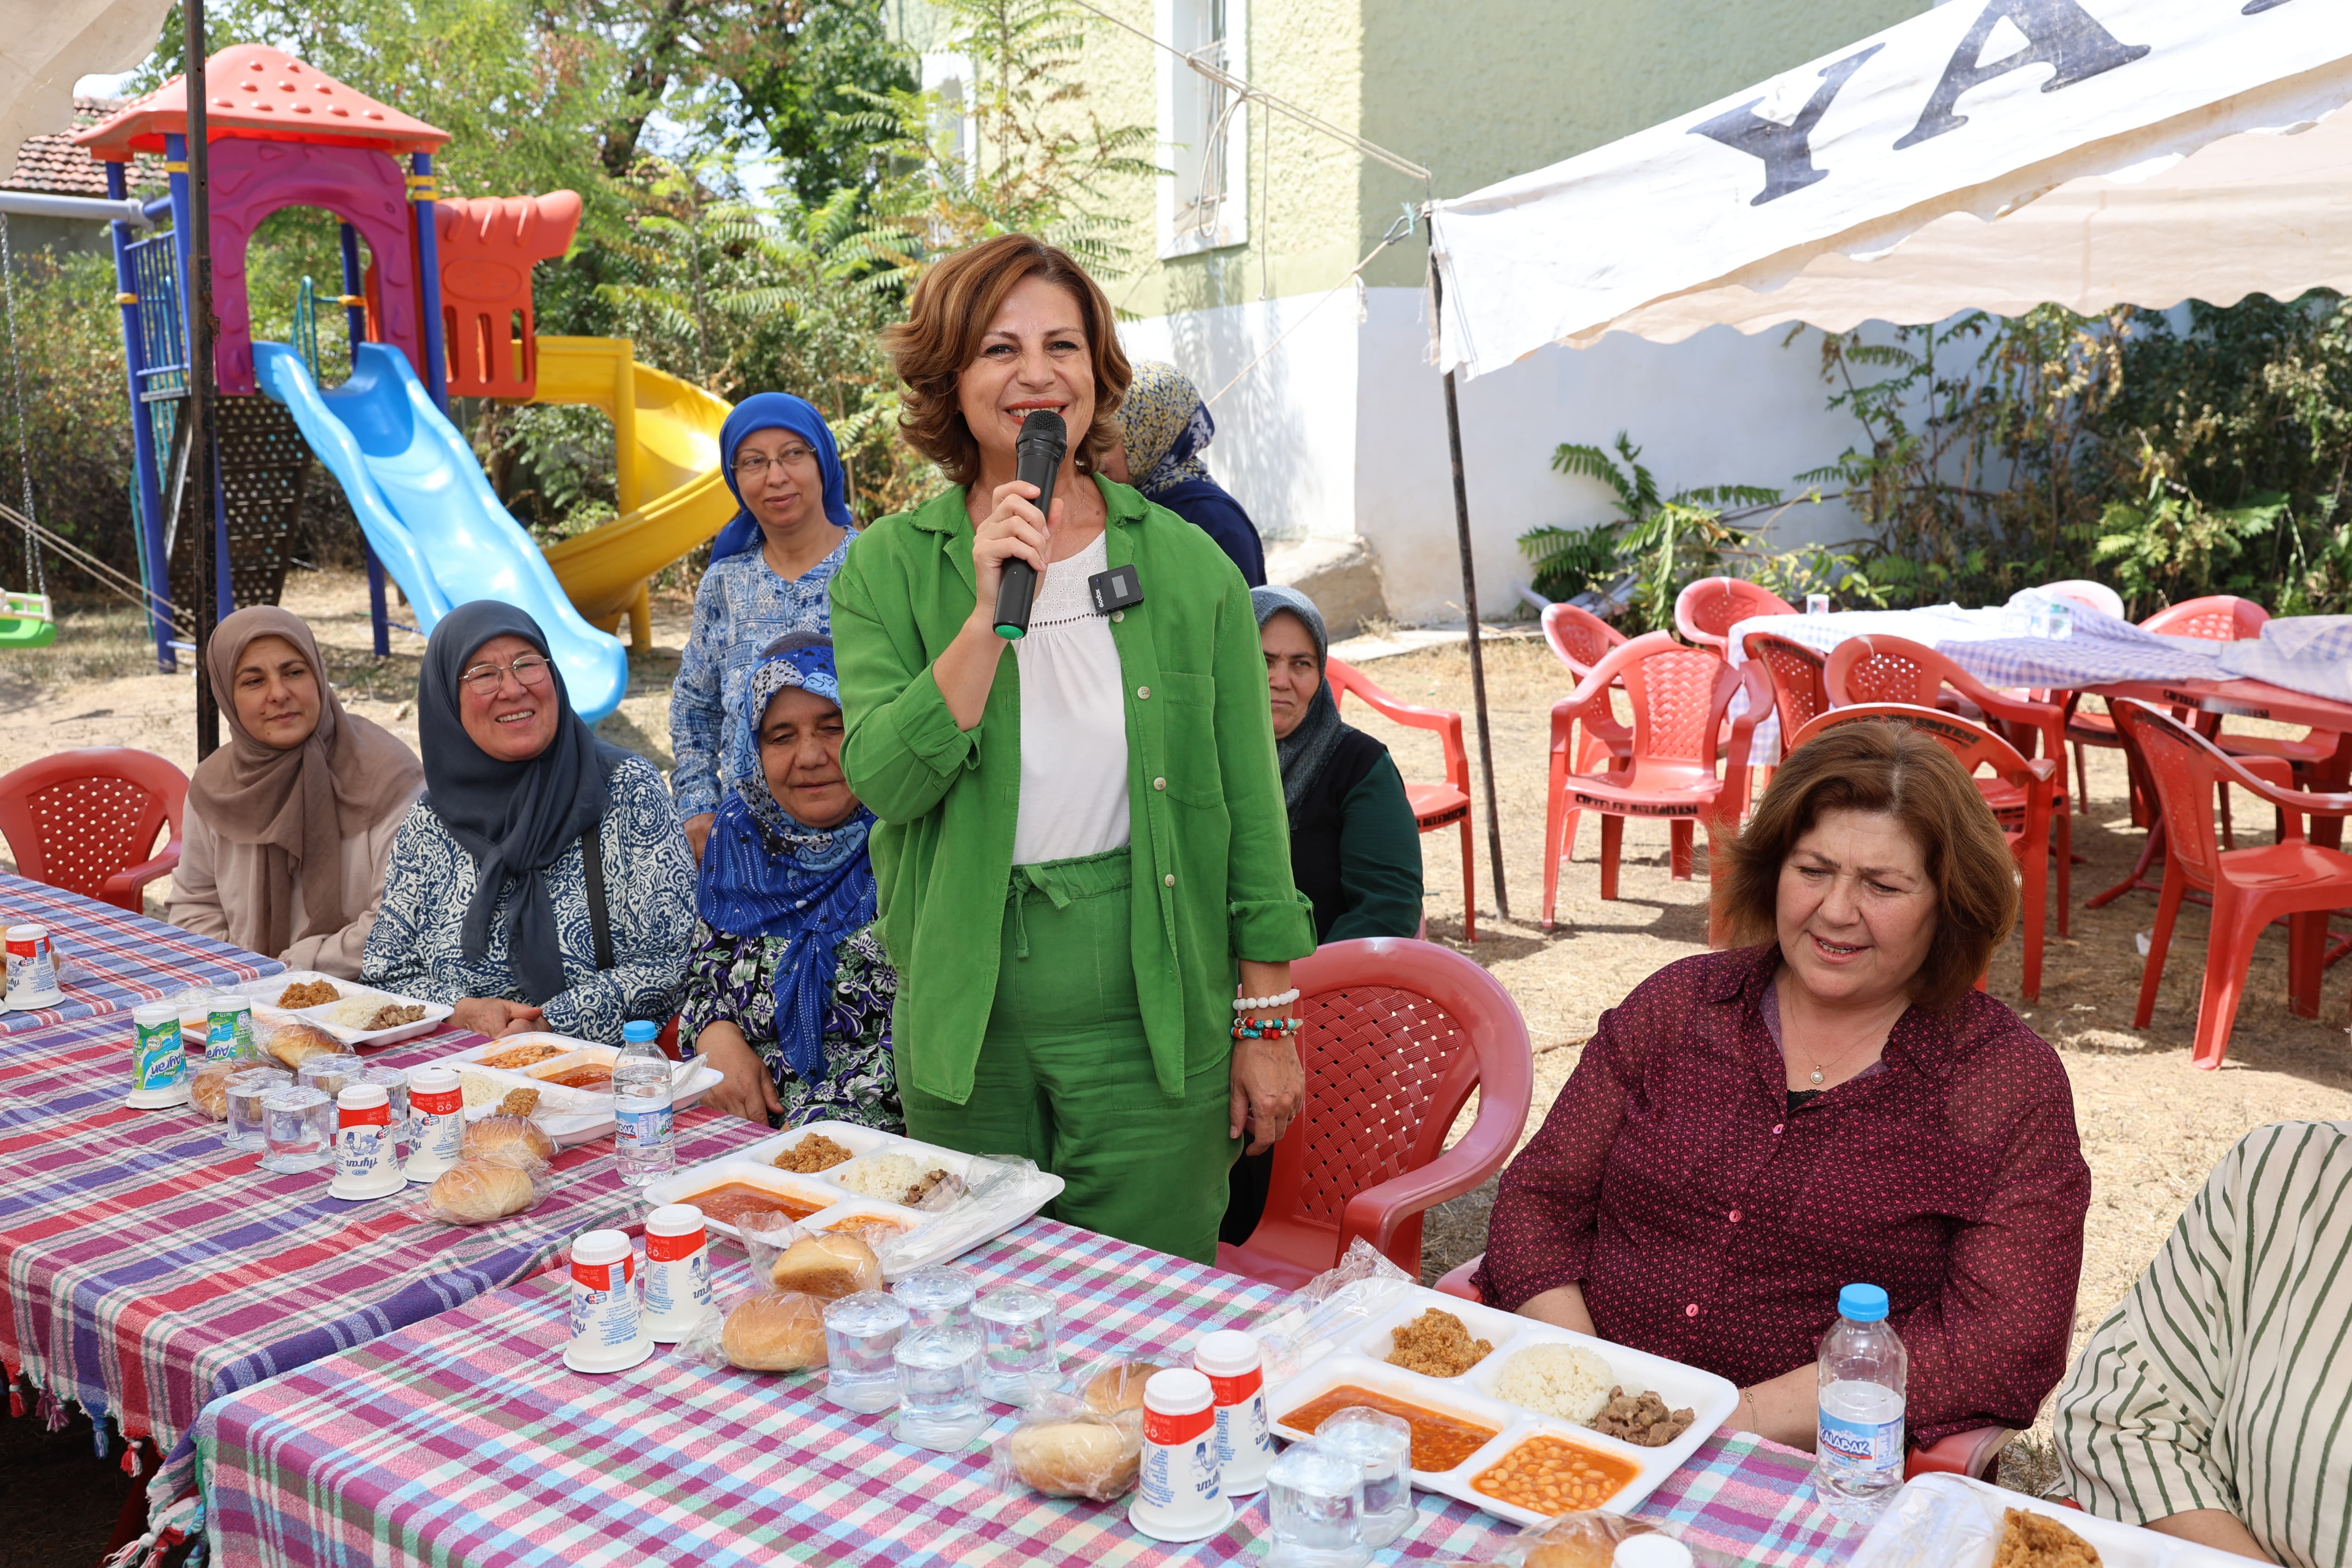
point(208, 1090)
point(1582, 1540)
point(473, 1191)
point(508, 1137)
point(1077, 1458)
point(1119, 1386)
point(784, 1332)
point(828, 1266)
point(294, 1044)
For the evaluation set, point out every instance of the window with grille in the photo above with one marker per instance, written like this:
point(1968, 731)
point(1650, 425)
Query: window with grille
point(1203, 128)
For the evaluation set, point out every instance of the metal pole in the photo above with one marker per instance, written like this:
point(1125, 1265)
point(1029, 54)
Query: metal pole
point(1470, 604)
point(154, 574)
point(355, 319)
point(205, 470)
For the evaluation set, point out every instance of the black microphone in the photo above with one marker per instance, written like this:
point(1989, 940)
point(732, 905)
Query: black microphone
point(1037, 460)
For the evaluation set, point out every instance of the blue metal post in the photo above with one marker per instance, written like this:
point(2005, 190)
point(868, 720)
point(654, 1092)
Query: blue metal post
point(175, 162)
point(145, 484)
point(428, 277)
point(355, 317)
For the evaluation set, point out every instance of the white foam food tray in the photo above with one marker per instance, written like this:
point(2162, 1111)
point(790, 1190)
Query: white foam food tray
point(934, 1239)
point(1362, 1358)
point(571, 1116)
point(1951, 1521)
point(265, 991)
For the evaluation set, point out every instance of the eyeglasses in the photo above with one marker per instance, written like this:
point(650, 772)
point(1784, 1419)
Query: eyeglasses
point(484, 679)
point(752, 467)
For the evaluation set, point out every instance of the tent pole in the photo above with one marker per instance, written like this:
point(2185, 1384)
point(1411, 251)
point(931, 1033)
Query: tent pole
point(205, 475)
point(1470, 606)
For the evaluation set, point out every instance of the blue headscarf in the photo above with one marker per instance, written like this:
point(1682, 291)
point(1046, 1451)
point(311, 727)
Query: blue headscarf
point(776, 411)
point(766, 874)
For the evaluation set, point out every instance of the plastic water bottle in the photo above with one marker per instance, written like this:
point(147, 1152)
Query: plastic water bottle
point(1858, 1446)
point(643, 1135)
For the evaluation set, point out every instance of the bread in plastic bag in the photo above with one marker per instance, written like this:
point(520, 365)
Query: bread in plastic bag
point(762, 1331)
point(477, 1190)
point(294, 1042)
point(1588, 1538)
point(1063, 1448)
point(208, 1086)
point(496, 1135)
point(1334, 1306)
point(828, 1265)
point(1115, 1387)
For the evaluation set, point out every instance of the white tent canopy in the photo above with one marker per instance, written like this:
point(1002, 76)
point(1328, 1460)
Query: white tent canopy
point(50, 46)
point(1990, 155)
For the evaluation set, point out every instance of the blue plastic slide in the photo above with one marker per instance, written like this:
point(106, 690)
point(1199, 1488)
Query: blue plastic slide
point(435, 523)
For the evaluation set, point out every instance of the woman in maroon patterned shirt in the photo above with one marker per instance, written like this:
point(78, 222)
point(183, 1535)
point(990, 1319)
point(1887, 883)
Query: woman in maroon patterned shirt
point(1753, 1129)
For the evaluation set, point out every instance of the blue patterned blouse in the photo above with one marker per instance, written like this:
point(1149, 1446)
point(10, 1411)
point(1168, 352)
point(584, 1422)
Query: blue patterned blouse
point(741, 607)
point(415, 948)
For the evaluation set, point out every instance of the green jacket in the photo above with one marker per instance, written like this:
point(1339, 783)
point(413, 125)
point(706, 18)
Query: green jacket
point(1212, 845)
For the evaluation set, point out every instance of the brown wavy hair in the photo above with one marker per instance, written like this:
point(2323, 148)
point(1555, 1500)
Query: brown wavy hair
point(946, 318)
point(1889, 768)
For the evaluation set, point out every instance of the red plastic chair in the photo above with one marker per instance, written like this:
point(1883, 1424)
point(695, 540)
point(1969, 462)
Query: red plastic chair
point(1434, 806)
point(2084, 591)
point(87, 821)
point(1970, 1453)
point(2250, 888)
point(1798, 695)
point(1581, 640)
point(1896, 669)
point(2029, 781)
point(1707, 610)
point(1680, 696)
point(1398, 1033)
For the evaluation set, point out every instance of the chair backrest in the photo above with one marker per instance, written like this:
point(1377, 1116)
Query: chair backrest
point(1798, 694)
point(1972, 743)
point(2217, 618)
point(1707, 610)
point(2183, 767)
point(2084, 591)
point(1579, 638)
point(75, 818)
point(1679, 696)
point(1446, 724)
point(1882, 668)
point(1398, 1033)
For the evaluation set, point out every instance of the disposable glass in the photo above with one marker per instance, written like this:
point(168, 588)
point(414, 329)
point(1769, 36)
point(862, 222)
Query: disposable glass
point(861, 1336)
point(937, 1296)
point(1018, 1326)
point(1382, 1445)
point(938, 1389)
point(247, 1091)
point(1315, 1496)
point(297, 1129)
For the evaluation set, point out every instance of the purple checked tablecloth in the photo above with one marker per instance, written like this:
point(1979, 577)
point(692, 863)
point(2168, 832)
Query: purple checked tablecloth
point(147, 1269)
point(462, 1440)
point(117, 960)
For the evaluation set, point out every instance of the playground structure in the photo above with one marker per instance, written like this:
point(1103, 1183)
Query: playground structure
point(442, 309)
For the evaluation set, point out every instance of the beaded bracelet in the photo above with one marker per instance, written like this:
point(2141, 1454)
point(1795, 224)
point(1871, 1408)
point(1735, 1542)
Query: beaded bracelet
point(1266, 1028)
point(1254, 1003)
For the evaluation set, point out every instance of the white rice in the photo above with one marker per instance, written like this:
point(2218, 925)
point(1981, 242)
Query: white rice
point(357, 1008)
point(880, 1174)
point(1564, 1381)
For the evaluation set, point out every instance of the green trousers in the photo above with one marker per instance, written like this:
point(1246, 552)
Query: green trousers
point(1066, 1078)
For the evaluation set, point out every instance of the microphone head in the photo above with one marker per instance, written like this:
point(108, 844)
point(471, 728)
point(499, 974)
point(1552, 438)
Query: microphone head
point(1043, 424)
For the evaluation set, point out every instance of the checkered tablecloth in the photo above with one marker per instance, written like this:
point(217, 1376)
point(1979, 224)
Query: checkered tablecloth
point(147, 1269)
point(464, 1441)
point(123, 959)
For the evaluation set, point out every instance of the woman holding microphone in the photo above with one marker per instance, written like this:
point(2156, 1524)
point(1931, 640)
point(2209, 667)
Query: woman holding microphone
point(1082, 849)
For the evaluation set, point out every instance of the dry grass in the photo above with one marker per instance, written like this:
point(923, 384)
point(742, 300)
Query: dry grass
point(2151, 1126)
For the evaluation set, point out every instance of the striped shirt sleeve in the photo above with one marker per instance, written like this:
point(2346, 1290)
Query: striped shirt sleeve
point(2223, 1380)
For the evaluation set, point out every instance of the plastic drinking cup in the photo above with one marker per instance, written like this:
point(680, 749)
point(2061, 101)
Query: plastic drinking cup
point(1382, 1445)
point(394, 1084)
point(937, 1297)
point(938, 1389)
point(247, 1091)
point(1018, 1327)
point(861, 1338)
point(1315, 1496)
point(297, 1129)
point(330, 1074)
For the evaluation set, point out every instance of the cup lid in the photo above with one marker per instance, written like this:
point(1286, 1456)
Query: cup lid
point(1178, 1391)
point(27, 932)
point(361, 1097)
point(433, 1079)
point(674, 1219)
point(594, 1247)
point(149, 1014)
point(1228, 1352)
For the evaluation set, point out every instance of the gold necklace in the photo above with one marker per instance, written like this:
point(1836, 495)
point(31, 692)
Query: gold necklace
point(1819, 1072)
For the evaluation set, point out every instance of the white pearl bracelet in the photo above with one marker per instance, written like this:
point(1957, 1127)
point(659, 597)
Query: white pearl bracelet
point(1255, 1004)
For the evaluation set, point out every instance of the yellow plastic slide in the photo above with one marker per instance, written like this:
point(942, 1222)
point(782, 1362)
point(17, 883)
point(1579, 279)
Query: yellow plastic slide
point(672, 499)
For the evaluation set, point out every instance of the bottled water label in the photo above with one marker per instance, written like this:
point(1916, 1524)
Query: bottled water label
point(1865, 1432)
point(642, 1134)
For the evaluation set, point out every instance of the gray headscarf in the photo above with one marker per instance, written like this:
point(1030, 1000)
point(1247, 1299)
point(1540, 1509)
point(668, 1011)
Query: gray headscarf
point(1305, 750)
point(514, 818)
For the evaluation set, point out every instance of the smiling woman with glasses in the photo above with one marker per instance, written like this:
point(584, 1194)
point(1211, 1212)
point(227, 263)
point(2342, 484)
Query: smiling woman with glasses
point(542, 882)
point(768, 570)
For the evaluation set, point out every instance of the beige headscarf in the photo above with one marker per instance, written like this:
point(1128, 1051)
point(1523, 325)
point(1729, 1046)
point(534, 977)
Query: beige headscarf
point(299, 804)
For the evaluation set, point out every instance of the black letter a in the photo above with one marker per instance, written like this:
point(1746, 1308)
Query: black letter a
point(1787, 150)
point(2057, 32)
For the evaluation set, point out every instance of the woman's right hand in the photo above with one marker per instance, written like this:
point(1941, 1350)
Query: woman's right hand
point(746, 1089)
point(493, 1016)
point(1013, 529)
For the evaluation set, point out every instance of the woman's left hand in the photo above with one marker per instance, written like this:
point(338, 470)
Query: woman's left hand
point(745, 1088)
point(1270, 1085)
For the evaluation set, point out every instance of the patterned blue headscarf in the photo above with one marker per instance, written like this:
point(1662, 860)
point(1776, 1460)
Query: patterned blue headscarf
point(765, 873)
point(776, 411)
point(1164, 425)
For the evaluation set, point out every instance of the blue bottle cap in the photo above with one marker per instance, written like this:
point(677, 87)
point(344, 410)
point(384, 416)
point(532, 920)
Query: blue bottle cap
point(1863, 1303)
point(639, 1029)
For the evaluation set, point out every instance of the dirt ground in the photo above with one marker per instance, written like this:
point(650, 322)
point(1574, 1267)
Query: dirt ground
point(2152, 1127)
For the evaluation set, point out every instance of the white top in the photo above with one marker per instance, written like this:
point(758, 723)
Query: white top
point(1073, 721)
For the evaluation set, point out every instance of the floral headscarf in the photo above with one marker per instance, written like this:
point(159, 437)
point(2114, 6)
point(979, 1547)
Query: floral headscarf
point(1164, 425)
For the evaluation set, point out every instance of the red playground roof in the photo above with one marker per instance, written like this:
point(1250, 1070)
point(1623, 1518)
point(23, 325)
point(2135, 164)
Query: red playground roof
point(262, 94)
